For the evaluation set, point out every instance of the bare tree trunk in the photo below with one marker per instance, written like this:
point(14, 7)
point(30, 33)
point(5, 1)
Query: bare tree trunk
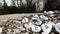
point(13, 3)
point(20, 2)
point(4, 3)
point(17, 3)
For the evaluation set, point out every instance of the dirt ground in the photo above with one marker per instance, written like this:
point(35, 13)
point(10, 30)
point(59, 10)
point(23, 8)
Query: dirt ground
point(3, 17)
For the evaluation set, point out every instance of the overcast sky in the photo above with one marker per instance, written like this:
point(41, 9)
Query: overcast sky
point(7, 1)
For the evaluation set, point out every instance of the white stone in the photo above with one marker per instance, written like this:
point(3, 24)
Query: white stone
point(57, 27)
point(50, 12)
point(25, 19)
point(28, 25)
point(43, 17)
point(46, 27)
point(39, 22)
point(35, 17)
point(0, 30)
point(44, 33)
point(36, 28)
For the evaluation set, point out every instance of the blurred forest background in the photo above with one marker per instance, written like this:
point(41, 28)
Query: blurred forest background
point(28, 6)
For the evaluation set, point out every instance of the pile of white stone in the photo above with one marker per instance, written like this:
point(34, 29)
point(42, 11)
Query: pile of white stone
point(35, 24)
